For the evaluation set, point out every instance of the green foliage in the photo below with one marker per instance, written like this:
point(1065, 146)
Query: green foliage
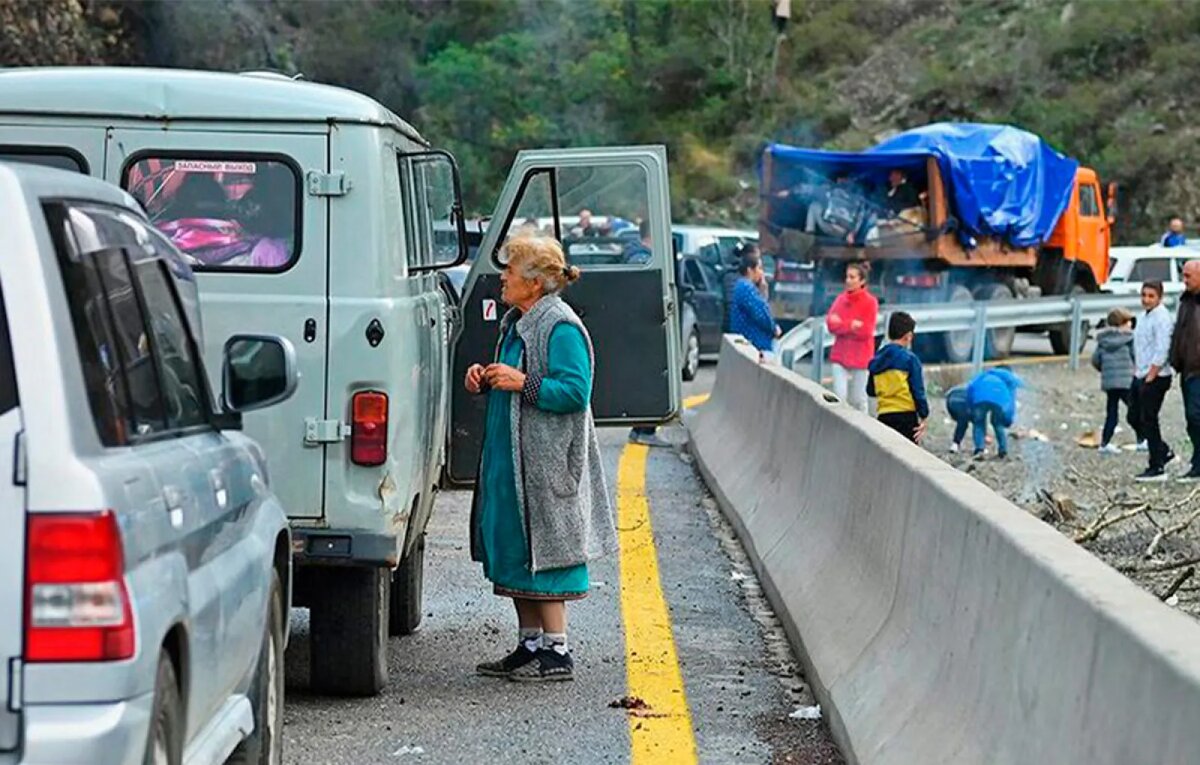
point(1110, 82)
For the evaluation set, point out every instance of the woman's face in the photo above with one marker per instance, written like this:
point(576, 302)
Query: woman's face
point(516, 289)
point(756, 274)
point(854, 280)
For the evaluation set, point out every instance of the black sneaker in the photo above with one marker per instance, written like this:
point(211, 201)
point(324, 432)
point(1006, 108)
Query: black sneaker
point(1151, 475)
point(549, 666)
point(520, 657)
point(1191, 476)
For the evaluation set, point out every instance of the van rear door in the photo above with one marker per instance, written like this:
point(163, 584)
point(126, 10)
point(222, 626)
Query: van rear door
point(626, 296)
point(12, 541)
point(251, 211)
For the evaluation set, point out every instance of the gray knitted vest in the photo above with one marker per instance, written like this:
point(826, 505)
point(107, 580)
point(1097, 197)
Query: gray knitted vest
point(561, 490)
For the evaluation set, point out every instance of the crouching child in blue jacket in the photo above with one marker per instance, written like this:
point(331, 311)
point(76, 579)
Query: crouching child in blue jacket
point(992, 397)
point(896, 380)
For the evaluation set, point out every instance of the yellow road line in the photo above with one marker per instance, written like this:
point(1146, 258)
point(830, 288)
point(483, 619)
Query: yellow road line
point(663, 732)
point(694, 401)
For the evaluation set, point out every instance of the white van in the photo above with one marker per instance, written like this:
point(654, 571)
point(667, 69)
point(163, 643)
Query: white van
point(310, 212)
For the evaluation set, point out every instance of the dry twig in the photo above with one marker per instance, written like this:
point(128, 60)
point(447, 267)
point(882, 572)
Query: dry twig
point(1103, 522)
point(1178, 527)
point(1179, 580)
point(1158, 568)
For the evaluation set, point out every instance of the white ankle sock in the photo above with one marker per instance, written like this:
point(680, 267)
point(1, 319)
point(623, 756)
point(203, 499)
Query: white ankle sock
point(555, 641)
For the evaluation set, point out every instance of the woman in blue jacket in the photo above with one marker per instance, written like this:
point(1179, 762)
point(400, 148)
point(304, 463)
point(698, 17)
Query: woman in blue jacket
point(993, 395)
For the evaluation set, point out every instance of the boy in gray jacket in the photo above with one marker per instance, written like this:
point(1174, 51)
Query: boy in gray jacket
point(1113, 359)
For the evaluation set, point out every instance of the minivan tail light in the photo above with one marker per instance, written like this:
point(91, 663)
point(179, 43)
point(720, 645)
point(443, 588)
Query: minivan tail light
point(76, 604)
point(368, 428)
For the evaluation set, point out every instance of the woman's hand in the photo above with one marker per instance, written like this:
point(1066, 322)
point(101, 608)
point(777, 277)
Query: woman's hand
point(474, 381)
point(855, 325)
point(504, 377)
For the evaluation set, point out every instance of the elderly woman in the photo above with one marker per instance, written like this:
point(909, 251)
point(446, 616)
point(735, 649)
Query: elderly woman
point(541, 509)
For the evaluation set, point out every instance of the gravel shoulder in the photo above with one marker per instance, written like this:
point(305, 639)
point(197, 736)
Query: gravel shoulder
point(1080, 490)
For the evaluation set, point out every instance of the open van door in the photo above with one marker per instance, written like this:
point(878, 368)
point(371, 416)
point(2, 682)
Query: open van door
point(626, 296)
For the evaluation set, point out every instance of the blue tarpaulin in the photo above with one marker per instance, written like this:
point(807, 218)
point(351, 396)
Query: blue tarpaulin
point(1001, 181)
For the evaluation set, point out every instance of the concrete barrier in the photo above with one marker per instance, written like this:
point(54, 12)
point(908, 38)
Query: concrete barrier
point(938, 622)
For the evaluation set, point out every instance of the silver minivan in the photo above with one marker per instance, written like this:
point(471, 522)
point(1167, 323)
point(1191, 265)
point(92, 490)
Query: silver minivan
point(145, 564)
point(314, 213)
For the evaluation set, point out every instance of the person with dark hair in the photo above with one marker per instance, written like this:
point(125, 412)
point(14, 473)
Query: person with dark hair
point(900, 195)
point(1113, 359)
point(1152, 378)
point(852, 321)
point(897, 381)
point(1185, 358)
point(749, 312)
point(639, 252)
point(1174, 236)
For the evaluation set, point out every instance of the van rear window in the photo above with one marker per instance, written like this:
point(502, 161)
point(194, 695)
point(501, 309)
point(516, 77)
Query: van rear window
point(8, 374)
point(223, 214)
point(60, 159)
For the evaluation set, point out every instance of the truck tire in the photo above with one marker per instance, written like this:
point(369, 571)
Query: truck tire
point(1000, 339)
point(1060, 334)
point(349, 622)
point(408, 584)
point(957, 346)
point(265, 745)
point(165, 743)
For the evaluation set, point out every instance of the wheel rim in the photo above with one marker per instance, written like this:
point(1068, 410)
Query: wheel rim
point(693, 352)
point(959, 344)
point(274, 735)
point(1001, 338)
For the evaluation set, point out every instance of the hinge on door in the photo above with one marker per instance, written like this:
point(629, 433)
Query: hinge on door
point(334, 184)
point(324, 431)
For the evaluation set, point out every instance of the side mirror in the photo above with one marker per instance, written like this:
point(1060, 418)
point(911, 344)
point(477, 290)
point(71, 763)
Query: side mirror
point(258, 371)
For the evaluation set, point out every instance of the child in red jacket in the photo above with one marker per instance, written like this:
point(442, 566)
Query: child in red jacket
point(852, 321)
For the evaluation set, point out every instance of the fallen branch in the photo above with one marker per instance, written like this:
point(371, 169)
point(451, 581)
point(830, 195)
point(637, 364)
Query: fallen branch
point(1158, 568)
point(1102, 523)
point(1178, 527)
point(1179, 580)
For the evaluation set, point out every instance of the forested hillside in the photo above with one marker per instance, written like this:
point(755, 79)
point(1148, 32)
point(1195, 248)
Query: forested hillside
point(1110, 82)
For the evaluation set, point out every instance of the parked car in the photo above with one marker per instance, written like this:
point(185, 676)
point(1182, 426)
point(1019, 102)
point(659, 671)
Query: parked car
point(145, 566)
point(703, 297)
point(1130, 266)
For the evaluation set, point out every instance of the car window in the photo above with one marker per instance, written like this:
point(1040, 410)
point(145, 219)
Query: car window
point(1148, 269)
point(182, 389)
point(1089, 205)
point(694, 274)
point(60, 159)
point(224, 214)
point(8, 373)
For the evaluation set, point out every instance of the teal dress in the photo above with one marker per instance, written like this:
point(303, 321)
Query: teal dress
point(504, 549)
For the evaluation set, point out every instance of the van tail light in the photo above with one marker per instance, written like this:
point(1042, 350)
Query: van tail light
point(926, 281)
point(368, 428)
point(76, 604)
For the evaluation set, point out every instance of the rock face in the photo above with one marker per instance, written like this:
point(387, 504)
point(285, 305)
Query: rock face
point(66, 32)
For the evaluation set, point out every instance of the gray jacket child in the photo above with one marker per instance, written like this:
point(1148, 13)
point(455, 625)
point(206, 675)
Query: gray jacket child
point(1113, 359)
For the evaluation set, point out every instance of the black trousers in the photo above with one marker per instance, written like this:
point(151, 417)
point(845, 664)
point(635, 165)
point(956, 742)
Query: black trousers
point(1146, 401)
point(904, 423)
point(1113, 414)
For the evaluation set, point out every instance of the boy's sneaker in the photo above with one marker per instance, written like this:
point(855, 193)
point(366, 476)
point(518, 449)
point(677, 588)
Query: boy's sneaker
point(1110, 449)
point(548, 666)
point(1143, 446)
point(1191, 476)
point(1151, 475)
point(953, 448)
point(1171, 457)
point(504, 667)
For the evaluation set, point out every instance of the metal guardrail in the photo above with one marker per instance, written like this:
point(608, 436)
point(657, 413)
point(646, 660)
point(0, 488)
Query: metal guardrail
point(1081, 312)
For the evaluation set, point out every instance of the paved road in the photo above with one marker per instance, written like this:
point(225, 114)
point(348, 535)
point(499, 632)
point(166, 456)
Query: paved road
point(717, 674)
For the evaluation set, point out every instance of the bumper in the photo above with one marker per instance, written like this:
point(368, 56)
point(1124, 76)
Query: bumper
point(103, 734)
point(346, 547)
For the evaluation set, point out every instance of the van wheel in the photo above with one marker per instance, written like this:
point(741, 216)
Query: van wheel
point(408, 584)
point(265, 745)
point(348, 632)
point(691, 356)
point(165, 746)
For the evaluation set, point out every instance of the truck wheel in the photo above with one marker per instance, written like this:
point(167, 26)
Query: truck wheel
point(691, 356)
point(165, 746)
point(1060, 334)
point(265, 745)
point(408, 584)
point(957, 346)
point(349, 621)
point(1000, 339)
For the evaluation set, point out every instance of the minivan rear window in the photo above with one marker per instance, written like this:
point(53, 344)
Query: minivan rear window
point(8, 372)
point(235, 214)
